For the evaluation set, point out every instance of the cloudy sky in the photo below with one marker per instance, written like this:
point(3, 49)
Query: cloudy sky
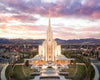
point(70, 19)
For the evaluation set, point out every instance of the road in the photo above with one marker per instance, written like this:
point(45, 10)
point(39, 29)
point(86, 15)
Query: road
point(1, 66)
point(96, 62)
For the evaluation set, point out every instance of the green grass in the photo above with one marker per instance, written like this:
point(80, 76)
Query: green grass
point(76, 73)
point(18, 73)
point(6, 72)
point(78, 61)
point(81, 73)
point(92, 73)
point(21, 61)
point(28, 70)
point(71, 72)
point(23, 73)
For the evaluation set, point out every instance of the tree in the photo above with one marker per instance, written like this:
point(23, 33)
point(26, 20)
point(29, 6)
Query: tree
point(10, 72)
point(27, 63)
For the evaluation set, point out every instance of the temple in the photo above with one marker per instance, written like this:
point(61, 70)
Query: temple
point(49, 52)
point(49, 49)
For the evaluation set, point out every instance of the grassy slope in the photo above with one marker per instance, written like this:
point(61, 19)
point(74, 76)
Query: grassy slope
point(6, 72)
point(78, 61)
point(71, 70)
point(81, 72)
point(18, 73)
point(92, 73)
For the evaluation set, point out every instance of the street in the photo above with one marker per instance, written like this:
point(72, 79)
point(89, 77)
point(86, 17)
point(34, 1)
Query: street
point(96, 62)
point(1, 66)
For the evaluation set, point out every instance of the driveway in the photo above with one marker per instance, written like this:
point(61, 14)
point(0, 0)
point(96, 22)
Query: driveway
point(1, 66)
point(96, 62)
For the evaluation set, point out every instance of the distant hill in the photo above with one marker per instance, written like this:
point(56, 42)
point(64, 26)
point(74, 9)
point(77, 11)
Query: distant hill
point(89, 40)
point(60, 41)
point(20, 41)
point(39, 41)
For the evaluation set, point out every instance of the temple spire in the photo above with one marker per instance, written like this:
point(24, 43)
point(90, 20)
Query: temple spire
point(49, 18)
point(49, 31)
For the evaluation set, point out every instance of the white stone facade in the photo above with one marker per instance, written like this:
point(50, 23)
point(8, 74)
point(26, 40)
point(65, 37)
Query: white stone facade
point(49, 49)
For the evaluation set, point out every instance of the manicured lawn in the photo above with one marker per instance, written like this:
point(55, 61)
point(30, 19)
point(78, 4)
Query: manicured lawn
point(18, 73)
point(21, 61)
point(92, 73)
point(71, 72)
point(28, 70)
point(6, 72)
point(81, 73)
point(76, 73)
point(77, 60)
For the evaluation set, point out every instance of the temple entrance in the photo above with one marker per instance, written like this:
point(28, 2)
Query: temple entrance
point(49, 73)
point(49, 78)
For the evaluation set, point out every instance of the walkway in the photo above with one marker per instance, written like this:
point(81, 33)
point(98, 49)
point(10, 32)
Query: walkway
point(80, 64)
point(3, 72)
point(50, 74)
point(96, 65)
point(36, 78)
point(19, 64)
point(1, 66)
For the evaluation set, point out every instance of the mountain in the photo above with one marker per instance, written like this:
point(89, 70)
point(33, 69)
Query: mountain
point(39, 41)
point(20, 41)
point(60, 41)
point(89, 41)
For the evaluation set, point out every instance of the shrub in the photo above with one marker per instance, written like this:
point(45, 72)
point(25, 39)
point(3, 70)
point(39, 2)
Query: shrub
point(27, 63)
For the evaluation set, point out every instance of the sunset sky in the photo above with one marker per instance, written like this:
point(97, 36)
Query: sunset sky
point(70, 19)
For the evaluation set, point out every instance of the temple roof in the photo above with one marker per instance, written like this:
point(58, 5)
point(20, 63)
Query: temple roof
point(62, 57)
point(37, 57)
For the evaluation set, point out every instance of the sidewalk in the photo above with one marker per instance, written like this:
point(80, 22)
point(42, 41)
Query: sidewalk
point(3, 77)
point(80, 64)
point(19, 64)
point(96, 77)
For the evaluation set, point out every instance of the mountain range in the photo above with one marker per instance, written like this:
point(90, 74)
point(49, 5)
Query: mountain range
point(39, 41)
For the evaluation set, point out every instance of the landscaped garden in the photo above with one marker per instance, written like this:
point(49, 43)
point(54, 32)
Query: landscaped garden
point(79, 58)
point(20, 72)
point(21, 61)
point(75, 73)
point(80, 73)
point(28, 71)
point(17, 72)
point(92, 73)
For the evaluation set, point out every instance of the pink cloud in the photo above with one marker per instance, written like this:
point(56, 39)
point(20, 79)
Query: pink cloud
point(96, 14)
point(67, 8)
point(92, 29)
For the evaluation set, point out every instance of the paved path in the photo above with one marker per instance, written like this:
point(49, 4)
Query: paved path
point(1, 66)
point(96, 63)
point(36, 78)
point(3, 72)
point(48, 72)
point(19, 64)
point(80, 64)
